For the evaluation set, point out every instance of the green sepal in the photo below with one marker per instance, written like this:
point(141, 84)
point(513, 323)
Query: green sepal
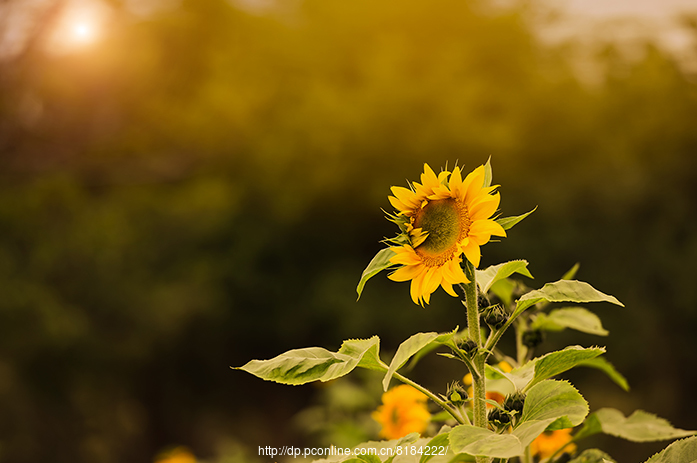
point(640, 426)
point(571, 273)
point(682, 451)
point(489, 276)
point(576, 318)
point(300, 366)
point(509, 222)
point(413, 346)
point(488, 173)
point(380, 262)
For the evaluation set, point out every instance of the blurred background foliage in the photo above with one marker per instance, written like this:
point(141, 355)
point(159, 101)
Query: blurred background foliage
point(203, 186)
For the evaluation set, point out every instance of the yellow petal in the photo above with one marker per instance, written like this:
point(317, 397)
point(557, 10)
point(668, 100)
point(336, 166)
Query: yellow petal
point(406, 196)
point(454, 273)
point(415, 289)
point(484, 207)
point(473, 183)
point(406, 273)
point(417, 236)
point(429, 177)
point(481, 230)
point(472, 253)
point(456, 183)
point(405, 255)
point(448, 288)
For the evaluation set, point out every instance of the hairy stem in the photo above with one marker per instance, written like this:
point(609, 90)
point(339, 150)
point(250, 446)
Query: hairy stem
point(479, 358)
point(443, 404)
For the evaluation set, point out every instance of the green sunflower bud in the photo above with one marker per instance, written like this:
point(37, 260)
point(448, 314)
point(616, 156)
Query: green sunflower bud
point(532, 338)
point(514, 402)
point(469, 346)
point(456, 394)
point(495, 317)
point(499, 417)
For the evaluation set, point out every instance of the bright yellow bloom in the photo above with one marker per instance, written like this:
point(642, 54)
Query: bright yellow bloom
point(176, 455)
point(547, 443)
point(403, 412)
point(444, 217)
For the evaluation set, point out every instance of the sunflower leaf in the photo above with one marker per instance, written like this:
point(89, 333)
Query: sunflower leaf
point(681, 451)
point(557, 401)
point(609, 369)
point(563, 291)
point(441, 441)
point(509, 222)
point(547, 366)
point(553, 363)
point(411, 347)
point(593, 456)
point(640, 426)
point(576, 318)
point(486, 278)
point(484, 442)
point(380, 262)
point(300, 366)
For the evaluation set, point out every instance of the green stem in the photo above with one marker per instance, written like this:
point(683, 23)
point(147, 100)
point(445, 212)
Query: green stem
point(443, 404)
point(478, 360)
point(521, 349)
point(527, 458)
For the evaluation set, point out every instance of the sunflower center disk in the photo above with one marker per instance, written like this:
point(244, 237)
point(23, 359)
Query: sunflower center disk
point(447, 222)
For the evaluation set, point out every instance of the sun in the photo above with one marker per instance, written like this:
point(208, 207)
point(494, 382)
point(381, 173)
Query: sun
point(83, 31)
point(80, 27)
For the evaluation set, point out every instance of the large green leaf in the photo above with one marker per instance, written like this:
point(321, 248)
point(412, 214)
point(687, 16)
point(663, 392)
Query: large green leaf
point(555, 400)
point(442, 440)
point(484, 442)
point(563, 291)
point(682, 451)
point(509, 222)
point(576, 318)
point(602, 364)
point(553, 363)
point(472, 440)
point(486, 278)
point(412, 346)
point(548, 405)
point(300, 366)
point(640, 426)
point(503, 289)
point(380, 262)
point(546, 366)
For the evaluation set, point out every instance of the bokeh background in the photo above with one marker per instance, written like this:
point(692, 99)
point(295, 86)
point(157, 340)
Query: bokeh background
point(187, 185)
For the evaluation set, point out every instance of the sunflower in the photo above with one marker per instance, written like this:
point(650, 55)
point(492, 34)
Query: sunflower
point(403, 411)
point(549, 442)
point(442, 218)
